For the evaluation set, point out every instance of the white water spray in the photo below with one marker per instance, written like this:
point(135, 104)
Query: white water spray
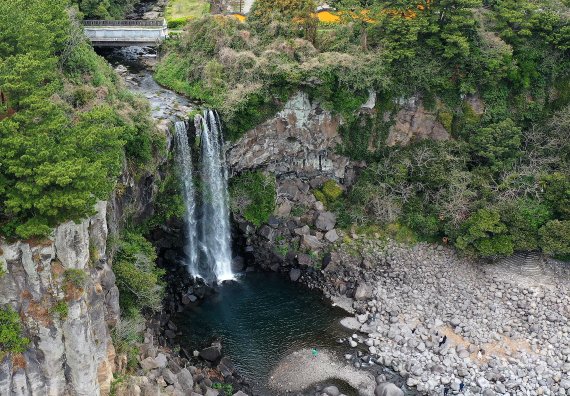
point(215, 236)
point(188, 194)
point(208, 236)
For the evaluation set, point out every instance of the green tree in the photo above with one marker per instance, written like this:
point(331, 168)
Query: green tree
point(556, 189)
point(523, 218)
point(485, 234)
point(138, 278)
point(556, 238)
point(453, 27)
point(497, 146)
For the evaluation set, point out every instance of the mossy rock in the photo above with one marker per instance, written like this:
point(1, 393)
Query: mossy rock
point(320, 196)
point(331, 190)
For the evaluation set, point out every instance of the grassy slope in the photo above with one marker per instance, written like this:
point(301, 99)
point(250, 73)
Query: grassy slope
point(186, 9)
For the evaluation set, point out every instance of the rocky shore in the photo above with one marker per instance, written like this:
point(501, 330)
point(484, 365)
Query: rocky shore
point(446, 322)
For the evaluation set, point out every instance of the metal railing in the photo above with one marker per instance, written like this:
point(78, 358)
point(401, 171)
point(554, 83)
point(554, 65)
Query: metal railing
point(154, 22)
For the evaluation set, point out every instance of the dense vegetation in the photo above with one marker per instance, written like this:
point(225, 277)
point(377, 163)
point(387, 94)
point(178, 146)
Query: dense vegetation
point(105, 9)
point(65, 120)
point(253, 196)
point(500, 184)
point(138, 278)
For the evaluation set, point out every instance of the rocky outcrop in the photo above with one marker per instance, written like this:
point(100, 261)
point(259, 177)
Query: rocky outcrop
point(72, 353)
point(300, 140)
point(414, 122)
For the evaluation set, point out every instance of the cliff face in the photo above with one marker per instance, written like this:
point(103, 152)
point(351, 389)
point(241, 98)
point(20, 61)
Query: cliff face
point(74, 354)
point(300, 141)
point(67, 355)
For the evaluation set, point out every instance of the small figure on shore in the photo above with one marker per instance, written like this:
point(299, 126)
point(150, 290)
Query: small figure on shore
point(461, 386)
point(442, 340)
point(445, 391)
point(314, 352)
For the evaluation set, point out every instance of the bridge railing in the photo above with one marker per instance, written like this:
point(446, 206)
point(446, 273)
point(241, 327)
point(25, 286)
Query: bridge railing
point(153, 22)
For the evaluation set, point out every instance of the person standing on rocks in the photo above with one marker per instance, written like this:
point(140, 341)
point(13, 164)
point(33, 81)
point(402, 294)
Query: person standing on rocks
point(442, 340)
point(314, 352)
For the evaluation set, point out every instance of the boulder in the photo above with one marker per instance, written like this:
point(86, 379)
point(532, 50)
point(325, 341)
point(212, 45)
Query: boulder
point(363, 292)
point(331, 236)
point(169, 376)
point(311, 242)
point(302, 230)
point(211, 353)
point(331, 391)
point(284, 209)
point(295, 274)
point(266, 232)
point(211, 392)
point(240, 393)
point(326, 221)
point(185, 379)
point(387, 389)
point(304, 259)
point(151, 363)
point(226, 367)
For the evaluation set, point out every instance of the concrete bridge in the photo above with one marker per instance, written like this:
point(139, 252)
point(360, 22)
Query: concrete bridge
point(125, 33)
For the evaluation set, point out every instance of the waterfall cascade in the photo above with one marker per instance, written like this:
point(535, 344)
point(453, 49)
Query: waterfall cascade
point(188, 193)
point(207, 234)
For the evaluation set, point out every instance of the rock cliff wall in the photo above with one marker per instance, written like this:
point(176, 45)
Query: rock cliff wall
point(67, 355)
point(299, 141)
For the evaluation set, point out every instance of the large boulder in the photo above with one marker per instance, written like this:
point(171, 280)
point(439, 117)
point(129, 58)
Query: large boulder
point(295, 274)
point(311, 242)
point(363, 292)
point(226, 367)
point(326, 221)
point(185, 380)
point(211, 353)
point(331, 391)
point(387, 389)
point(331, 236)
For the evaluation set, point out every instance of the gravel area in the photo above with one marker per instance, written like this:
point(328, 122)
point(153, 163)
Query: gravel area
point(300, 370)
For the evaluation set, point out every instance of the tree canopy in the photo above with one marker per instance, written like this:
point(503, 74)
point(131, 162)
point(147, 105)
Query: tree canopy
point(61, 136)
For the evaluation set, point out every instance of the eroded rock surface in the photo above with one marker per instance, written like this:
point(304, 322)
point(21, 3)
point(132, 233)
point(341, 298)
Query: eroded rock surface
point(67, 355)
point(414, 122)
point(300, 140)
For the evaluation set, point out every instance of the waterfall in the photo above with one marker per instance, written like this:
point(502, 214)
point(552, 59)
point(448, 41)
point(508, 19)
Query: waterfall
point(215, 237)
point(188, 194)
point(207, 237)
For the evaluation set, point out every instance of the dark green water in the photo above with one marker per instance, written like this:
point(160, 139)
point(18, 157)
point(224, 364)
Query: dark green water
point(260, 319)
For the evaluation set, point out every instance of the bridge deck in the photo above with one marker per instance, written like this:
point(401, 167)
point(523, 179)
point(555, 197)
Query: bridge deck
point(125, 33)
point(125, 23)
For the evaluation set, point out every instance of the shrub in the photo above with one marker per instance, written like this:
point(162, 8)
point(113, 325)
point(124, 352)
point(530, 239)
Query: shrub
point(555, 238)
point(253, 196)
point(75, 277)
point(11, 333)
point(61, 309)
point(138, 278)
point(176, 23)
point(126, 335)
point(320, 196)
